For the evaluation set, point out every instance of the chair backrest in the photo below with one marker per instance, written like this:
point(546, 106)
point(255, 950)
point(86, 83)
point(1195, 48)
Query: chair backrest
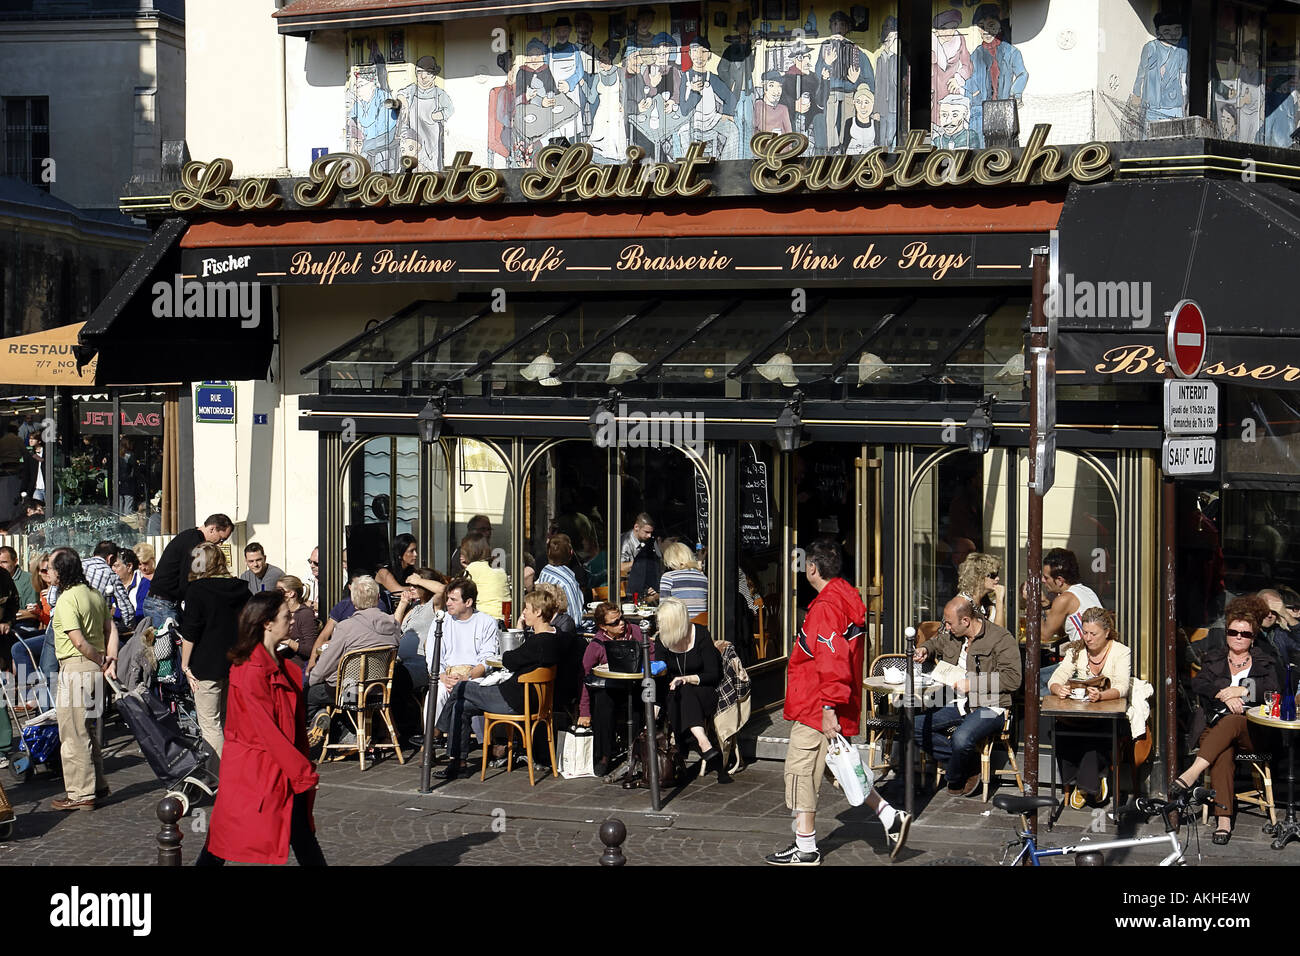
point(878, 669)
point(541, 679)
point(366, 669)
point(702, 619)
point(927, 630)
point(600, 593)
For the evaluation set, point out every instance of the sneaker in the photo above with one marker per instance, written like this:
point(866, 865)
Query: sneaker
point(897, 834)
point(1104, 795)
point(1077, 799)
point(793, 856)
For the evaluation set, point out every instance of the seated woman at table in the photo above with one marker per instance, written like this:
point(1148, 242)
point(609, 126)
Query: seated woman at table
point(472, 697)
point(694, 669)
point(1230, 679)
point(1085, 761)
point(684, 580)
point(476, 555)
point(978, 579)
point(602, 708)
point(570, 647)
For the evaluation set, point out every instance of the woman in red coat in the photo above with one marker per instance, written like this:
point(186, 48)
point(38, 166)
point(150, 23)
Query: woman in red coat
point(267, 784)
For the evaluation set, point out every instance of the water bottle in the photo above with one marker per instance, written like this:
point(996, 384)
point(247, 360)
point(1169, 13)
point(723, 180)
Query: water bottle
point(1287, 709)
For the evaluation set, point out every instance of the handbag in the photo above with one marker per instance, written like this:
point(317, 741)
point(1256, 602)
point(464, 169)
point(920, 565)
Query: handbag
point(666, 753)
point(575, 753)
point(623, 657)
point(845, 764)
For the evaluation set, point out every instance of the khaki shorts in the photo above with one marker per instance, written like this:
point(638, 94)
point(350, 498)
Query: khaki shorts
point(805, 762)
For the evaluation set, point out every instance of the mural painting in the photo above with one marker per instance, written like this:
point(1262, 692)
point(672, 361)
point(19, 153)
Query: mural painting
point(973, 66)
point(396, 107)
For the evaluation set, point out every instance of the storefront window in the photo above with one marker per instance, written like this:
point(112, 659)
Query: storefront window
point(1281, 63)
point(758, 631)
point(381, 496)
point(565, 493)
point(1237, 94)
point(667, 485)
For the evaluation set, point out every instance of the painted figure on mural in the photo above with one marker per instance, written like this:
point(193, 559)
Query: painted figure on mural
point(653, 98)
point(861, 134)
point(736, 70)
point(769, 115)
point(540, 107)
point(998, 67)
point(955, 130)
point(583, 29)
point(643, 37)
point(841, 67)
point(565, 62)
point(371, 122)
point(1280, 109)
point(707, 107)
point(424, 108)
point(802, 94)
point(950, 65)
point(1240, 88)
point(887, 83)
point(608, 136)
point(1160, 90)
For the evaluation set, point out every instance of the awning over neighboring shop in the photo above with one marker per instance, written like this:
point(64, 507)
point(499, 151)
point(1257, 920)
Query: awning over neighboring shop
point(1131, 250)
point(44, 358)
point(159, 326)
point(303, 16)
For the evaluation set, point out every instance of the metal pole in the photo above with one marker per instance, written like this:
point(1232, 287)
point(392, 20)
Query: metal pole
point(1169, 506)
point(431, 707)
point(909, 721)
point(114, 494)
point(652, 744)
point(1033, 609)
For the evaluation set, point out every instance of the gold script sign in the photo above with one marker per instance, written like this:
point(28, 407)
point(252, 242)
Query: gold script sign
point(1144, 359)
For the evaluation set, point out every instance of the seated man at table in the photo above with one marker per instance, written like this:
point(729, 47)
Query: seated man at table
point(640, 560)
point(990, 657)
point(473, 697)
point(1069, 597)
point(370, 626)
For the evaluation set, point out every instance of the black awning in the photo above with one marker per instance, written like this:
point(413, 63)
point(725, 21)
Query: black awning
point(1131, 250)
point(144, 333)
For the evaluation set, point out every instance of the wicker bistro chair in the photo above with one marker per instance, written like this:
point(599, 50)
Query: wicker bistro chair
point(987, 772)
point(1260, 791)
point(882, 723)
point(364, 687)
point(542, 682)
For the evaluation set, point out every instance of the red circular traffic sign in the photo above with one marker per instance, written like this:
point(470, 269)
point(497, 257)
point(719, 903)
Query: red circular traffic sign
point(1186, 339)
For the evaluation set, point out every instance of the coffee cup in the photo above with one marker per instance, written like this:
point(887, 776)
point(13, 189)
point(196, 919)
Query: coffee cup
point(1079, 693)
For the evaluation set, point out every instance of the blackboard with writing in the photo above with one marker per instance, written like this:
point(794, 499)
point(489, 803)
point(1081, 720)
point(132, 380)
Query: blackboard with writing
point(701, 509)
point(755, 533)
point(832, 479)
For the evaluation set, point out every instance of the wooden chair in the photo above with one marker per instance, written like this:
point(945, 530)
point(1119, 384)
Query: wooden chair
point(542, 682)
point(927, 630)
point(1260, 792)
point(702, 619)
point(882, 724)
point(600, 594)
point(986, 760)
point(760, 635)
point(368, 672)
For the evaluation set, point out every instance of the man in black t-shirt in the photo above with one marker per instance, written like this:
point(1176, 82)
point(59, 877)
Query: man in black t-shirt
point(172, 574)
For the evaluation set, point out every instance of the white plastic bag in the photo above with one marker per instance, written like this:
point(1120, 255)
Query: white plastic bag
point(575, 753)
point(846, 765)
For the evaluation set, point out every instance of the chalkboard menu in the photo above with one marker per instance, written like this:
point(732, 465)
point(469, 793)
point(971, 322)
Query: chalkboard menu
point(755, 533)
point(701, 509)
point(832, 477)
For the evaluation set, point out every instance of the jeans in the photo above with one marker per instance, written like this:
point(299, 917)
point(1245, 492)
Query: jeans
point(158, 609)
point(468, 700)
point(960, 752)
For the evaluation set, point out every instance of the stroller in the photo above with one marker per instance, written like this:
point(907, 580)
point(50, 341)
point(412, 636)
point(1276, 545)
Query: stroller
point(159, 711)
point(37, 735)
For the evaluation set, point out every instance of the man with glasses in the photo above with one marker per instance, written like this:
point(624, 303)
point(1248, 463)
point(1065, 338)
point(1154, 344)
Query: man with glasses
point(599, 707)
point(1280, 628)
point(311, 583)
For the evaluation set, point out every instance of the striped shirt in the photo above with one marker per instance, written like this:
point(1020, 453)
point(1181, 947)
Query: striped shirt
point(104, 579)
point(566, 581)
point(689, 585)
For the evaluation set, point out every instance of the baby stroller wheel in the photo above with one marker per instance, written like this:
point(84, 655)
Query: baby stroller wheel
point(183, 798)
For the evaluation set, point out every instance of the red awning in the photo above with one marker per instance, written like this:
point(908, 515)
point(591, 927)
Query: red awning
point(884, 215)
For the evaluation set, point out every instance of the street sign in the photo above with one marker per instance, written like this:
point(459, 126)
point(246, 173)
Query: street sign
point(1186, 339)
point(214, 402)
point(1191, 408)
point(1044, 465)
point(1189, 456)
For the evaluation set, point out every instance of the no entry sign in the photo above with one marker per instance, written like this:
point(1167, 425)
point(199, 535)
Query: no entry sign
point(1186, 339)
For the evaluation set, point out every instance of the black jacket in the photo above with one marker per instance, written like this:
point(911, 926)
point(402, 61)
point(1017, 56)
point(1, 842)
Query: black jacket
point(540, 650)
point(172, 574)
point(1214, 676)
point(211, 623)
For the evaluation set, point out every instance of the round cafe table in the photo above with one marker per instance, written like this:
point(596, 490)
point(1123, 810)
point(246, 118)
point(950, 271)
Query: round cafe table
point(1289, 828)
point(631, 678)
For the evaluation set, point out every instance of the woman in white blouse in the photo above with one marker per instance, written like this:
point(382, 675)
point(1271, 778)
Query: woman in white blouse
point(1085, 761)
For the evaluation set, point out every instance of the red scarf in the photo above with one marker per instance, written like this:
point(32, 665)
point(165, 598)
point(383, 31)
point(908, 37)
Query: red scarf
point(992, 48)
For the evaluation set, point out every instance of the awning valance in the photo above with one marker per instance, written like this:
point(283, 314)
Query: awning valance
point(44, 358)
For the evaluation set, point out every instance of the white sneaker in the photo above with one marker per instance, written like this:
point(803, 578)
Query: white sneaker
point(897, 834)
point(793, 856)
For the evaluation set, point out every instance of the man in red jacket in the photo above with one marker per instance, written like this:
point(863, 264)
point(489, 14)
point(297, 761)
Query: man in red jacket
point(824, 698)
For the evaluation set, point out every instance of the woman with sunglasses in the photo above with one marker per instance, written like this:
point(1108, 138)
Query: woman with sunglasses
point(27, 650)
point(598, 707)
point(979, 578)
point(1233, 679)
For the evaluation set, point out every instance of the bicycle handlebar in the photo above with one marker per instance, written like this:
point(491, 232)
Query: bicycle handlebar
point(1169, 810)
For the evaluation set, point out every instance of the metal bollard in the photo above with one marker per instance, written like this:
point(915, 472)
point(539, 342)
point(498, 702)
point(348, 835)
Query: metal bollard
point(612, 834)
point(170, 812)
point(1090, 858)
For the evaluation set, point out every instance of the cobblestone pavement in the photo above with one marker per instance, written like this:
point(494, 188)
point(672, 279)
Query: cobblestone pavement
point(379, 818)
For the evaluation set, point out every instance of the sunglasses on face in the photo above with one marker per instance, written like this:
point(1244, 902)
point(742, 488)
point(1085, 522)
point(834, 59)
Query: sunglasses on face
point(993, 574)
point(616, 623)
point(1231, 632)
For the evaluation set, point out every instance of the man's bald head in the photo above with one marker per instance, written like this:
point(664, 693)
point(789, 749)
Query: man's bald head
point(958, 614)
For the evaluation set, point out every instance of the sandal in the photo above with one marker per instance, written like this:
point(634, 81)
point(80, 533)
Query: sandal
point(1221, 837)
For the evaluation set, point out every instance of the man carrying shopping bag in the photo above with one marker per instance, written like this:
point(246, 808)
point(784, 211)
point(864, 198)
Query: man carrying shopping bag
point(824, 698)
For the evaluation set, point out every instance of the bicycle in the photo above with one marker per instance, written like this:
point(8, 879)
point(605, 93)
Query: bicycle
point(1183, 809)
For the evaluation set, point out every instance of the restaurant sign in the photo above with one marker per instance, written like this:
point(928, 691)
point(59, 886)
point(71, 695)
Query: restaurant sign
point(137, 418)
point(569, 172)
point(910, 259)
point(1085, 358)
